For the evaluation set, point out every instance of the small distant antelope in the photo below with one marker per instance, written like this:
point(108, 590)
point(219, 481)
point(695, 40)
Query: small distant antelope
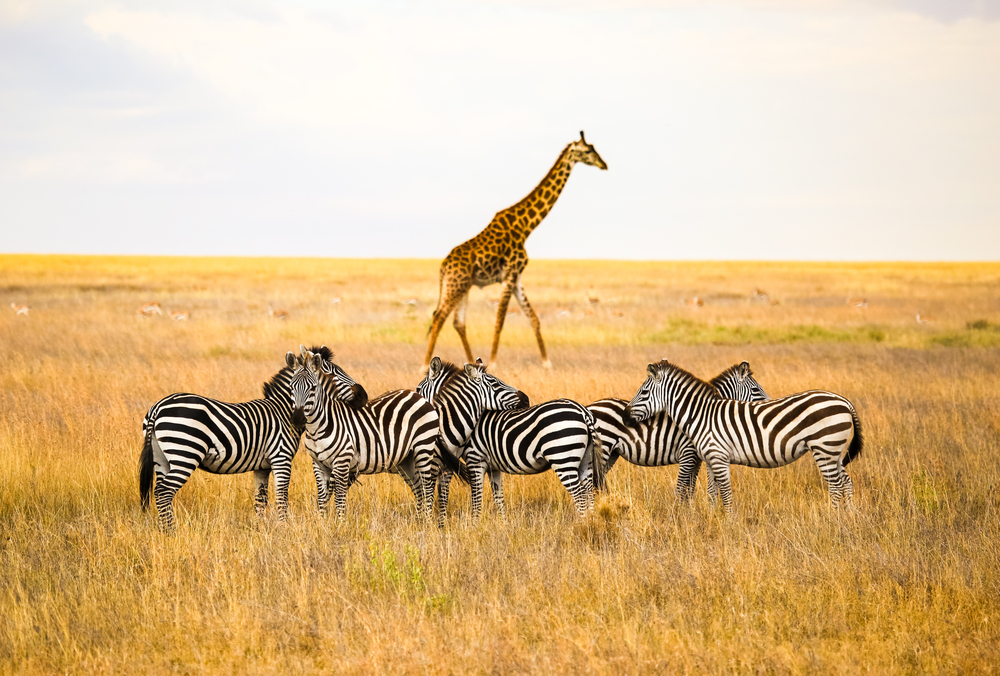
point(180, 316)
point(695, 302)
point(149, 309)
point(760, 295)
point(924, 319)
point(618, 314)
point(20, 309)
point(593, 300)
point(277, 314)
point(858, 302)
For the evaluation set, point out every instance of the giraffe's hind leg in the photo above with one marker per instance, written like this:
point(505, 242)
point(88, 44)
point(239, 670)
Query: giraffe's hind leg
point(452, 293)
point(459, 324)
point(536, 325)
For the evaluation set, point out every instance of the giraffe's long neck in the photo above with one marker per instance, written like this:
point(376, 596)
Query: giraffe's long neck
point(539, 202)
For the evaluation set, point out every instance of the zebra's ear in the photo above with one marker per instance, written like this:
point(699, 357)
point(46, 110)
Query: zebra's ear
point(651, 370)
point(435, 368)
point(313, 362)
point(472, 372)
point(480, 364)
point(303, 351)
point(745, 369)
point(290, 359)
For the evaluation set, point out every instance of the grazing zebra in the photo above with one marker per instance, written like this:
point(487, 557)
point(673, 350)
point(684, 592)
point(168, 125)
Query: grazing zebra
point(658, 440)
point(184, 432)
point(558, 434)
point(756, 434)
point(461, 396)
point(395, 432)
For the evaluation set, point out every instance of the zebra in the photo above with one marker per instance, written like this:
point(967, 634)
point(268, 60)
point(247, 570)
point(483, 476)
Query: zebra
point(558, 434)
point(460, 396)
point(183, 432)
point(395, 432)
point(756, 434)
point(659, 441)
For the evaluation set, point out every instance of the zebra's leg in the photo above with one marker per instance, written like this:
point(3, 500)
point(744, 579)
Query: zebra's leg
point(687, 475)
point(571, 480)
point(323, 486)
point(496, 485)
point(832, 471)
point(428, 466)
point(340, 477)
point(261, 477)
point(443, 484)
point(476, 476)
point(718, 465)
point(282, 477)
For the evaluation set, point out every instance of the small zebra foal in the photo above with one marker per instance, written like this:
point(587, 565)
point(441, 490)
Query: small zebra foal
point(756, 434)
point(658, 441)
point(395, 432)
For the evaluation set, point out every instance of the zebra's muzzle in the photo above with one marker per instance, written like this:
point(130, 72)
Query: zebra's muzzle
point(522, 400)
point(298, 417)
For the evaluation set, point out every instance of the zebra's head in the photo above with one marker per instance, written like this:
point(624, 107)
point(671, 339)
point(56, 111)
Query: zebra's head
point(493, 393)
point(737, 382)
point(437, 374)
point(303, 387)
point(338, 385)
point(651, 397)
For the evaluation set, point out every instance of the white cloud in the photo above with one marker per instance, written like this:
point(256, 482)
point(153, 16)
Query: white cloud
point(410, 125)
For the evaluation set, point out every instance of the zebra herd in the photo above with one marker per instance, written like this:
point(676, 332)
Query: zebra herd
point(465, 421)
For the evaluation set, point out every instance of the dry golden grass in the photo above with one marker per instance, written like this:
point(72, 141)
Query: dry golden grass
point(908, 582)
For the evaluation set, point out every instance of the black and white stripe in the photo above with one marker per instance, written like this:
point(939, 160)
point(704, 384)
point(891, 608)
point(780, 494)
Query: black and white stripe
point(557, 435)
point(395, 432)
point(756, 434)
point(658, 441)
point(184, 432)
point(461, 396)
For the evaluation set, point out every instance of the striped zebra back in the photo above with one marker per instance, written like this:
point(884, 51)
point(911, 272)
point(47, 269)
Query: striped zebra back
point(659, 441)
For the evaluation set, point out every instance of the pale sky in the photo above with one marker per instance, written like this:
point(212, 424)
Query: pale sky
point(767, 129)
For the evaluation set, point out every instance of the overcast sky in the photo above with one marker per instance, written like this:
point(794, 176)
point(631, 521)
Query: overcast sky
point(768, 129)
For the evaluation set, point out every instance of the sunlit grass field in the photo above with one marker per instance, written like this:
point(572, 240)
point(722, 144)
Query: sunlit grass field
point(906, 582)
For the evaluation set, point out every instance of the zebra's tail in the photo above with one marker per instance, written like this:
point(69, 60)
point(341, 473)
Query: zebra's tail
point(146, 468)
point(857, 443)
point(454, 464)
point(597, 452)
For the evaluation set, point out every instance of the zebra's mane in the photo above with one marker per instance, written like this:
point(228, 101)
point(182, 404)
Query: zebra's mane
point(277, 386)
point(449, 374)
point(666, 367)
point(728, 374)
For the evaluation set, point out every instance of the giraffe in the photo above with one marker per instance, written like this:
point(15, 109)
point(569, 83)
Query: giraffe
point(497, 255)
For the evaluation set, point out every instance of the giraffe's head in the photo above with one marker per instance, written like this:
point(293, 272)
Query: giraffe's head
point(581, 151)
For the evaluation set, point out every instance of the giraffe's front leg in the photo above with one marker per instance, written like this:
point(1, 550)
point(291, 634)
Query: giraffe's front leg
point(510, 282)
point(536, 325)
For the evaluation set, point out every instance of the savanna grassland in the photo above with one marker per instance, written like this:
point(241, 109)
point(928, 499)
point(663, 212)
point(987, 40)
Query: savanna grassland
point(908, 581)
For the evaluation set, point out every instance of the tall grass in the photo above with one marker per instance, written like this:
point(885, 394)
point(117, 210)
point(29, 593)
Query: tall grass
point(907, 582)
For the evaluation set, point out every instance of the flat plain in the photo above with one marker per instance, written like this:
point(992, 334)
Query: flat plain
point(906, 581)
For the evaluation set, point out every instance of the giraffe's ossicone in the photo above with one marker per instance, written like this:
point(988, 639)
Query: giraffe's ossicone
point(497, 255)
